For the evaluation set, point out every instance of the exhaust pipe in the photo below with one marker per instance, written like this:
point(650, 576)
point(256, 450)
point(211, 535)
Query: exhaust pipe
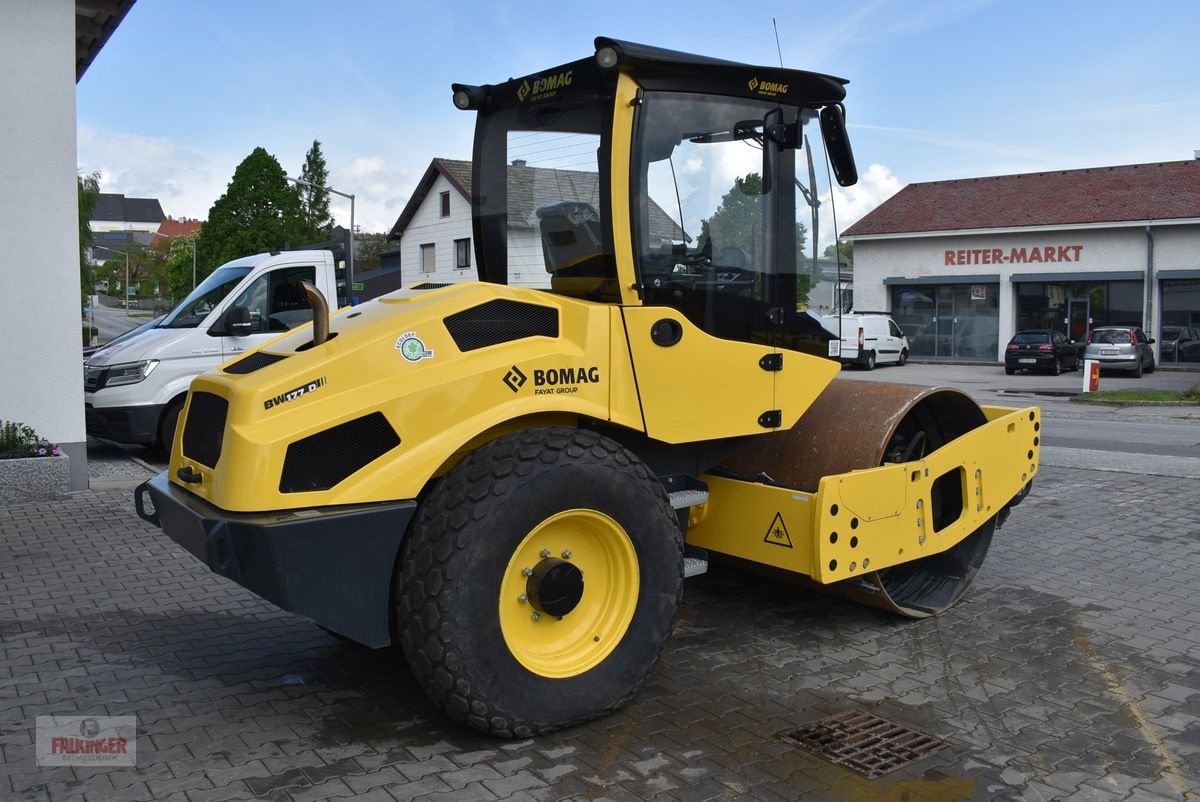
point(320, 312)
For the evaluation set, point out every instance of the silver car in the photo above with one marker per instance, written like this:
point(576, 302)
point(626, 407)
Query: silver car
point(1124, 348)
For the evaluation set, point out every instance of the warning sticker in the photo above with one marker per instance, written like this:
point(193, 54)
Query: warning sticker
point(778, 533)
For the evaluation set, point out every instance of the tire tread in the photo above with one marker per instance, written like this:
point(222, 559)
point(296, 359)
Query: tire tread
point(479, 483)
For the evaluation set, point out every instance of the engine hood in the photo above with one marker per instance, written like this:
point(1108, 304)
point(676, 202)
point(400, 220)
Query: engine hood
point(156, 344)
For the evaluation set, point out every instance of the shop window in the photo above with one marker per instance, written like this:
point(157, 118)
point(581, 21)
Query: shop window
point(1179, 334)
point(949, 321)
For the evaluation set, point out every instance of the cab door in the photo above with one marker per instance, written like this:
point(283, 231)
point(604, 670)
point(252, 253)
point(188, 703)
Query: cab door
point(276, 304)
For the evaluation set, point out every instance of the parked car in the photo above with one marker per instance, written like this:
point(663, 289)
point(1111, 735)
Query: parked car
point(1180, 344)
point(1124, 348)
point(868, 338)
point(1040, 349)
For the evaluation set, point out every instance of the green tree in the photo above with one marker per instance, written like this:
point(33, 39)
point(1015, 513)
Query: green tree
point(89, 193)
point(258, 212)
point(367, 248)
point(176, 271)
point(314, 198)
point(112, 269)
point(738, 221)
point(844, 252)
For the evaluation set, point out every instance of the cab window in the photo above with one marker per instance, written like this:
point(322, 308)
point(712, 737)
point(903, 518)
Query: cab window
point(277, 301)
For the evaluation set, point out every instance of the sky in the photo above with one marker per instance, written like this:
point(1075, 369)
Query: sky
point(939, 89)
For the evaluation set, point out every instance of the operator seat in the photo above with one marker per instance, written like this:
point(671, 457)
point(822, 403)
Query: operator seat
point(573, 248)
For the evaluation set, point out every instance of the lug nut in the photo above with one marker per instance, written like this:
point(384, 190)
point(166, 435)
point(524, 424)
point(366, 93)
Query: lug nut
point(523, 598)
point(544, 553)
point(566, 554)
point(536, 617)
point(527, 571)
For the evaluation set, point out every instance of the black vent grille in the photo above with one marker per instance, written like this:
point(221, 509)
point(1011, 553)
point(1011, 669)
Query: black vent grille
point(501, 321)
point(430, 285)
point(259, 359)
point(205, 428)
point(320, 461)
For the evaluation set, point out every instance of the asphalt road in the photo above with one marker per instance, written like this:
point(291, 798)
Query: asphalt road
point(114, 322)
point(1143, 440)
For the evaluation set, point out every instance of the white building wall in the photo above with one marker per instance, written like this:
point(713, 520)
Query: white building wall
point(428, 226)
point(124, 225)
point(40, 315)
point(1089, 250)
point(1176, 247)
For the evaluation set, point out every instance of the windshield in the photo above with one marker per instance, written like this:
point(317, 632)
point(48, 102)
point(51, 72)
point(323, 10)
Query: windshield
point(708, 232)
point(1032, 337)
point(194, 308)
point(1112, 337)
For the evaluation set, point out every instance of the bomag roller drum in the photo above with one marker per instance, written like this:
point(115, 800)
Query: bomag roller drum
point(858, 425)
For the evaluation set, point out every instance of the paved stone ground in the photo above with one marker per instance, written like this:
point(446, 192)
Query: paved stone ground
point(1071, 671)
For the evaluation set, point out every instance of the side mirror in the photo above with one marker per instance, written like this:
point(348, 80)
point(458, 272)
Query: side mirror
point(237, 321)
point(1151, 341)
point(837, 145)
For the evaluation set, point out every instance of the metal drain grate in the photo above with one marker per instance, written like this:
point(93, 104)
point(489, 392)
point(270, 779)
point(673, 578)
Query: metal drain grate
point(865, 743)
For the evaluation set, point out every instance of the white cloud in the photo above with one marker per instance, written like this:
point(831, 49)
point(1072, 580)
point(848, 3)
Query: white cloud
point(380, 192)
point(853, 203)
point(185, 183)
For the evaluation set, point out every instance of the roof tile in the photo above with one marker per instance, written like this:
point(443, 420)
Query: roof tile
point(1135, 192)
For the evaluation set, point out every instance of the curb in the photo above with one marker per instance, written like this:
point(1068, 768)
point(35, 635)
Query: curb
point(1113, 402)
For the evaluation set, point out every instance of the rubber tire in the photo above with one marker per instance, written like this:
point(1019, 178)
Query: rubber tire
point(1137, 372)
point(167, 424)
point(903, 358)
point(1152, 366)
point(460, 544)
point(1009, 371)
point(870, 363)
point(1057, 369)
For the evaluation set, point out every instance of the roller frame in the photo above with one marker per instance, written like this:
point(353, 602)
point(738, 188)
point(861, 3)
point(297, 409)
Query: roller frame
point(997, 461)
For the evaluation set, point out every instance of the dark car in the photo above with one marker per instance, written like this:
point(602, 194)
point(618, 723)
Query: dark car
point(1124, 348)
point(1040, 349)
point(1180, 344)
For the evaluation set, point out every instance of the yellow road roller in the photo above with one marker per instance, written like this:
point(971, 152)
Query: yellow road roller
point(511, 477)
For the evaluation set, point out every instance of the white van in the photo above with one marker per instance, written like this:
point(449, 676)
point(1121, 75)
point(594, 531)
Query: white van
point(868, 339)
point(134, 390)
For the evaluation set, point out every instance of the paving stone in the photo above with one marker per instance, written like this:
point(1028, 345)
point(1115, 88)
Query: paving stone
point(1034, 679)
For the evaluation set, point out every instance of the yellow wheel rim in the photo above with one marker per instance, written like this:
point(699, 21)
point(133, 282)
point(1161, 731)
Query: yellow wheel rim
point(581, 639)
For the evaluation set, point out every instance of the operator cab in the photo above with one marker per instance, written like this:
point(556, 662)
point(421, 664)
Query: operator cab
point(645, 176)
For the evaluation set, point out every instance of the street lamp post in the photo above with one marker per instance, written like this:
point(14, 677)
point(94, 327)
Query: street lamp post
point(350, 256)
point(126, 290)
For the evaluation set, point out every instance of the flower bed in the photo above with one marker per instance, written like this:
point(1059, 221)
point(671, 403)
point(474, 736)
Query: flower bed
point(31, 467)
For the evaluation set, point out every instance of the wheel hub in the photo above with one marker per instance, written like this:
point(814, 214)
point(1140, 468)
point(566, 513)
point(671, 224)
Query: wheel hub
point(555, 587)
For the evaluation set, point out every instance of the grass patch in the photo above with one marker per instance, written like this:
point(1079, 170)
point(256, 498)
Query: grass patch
point(1191, 396)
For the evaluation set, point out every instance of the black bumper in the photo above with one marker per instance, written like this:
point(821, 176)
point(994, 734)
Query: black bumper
point(123, 424)
point(334, 565)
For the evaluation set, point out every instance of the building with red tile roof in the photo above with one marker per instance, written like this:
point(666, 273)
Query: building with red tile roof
point(963, 264)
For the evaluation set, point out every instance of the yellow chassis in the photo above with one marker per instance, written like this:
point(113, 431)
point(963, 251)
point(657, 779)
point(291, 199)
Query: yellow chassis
point(870, 519)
